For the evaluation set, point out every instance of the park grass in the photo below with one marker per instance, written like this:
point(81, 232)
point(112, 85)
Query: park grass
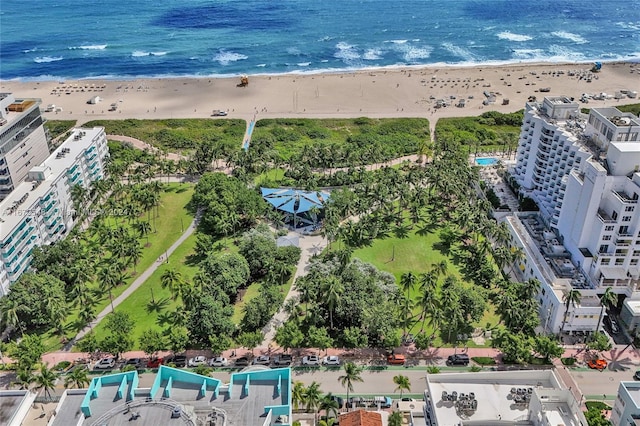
point(139, 304)
point(238, 309)
point(417, 254)
point(173, 216)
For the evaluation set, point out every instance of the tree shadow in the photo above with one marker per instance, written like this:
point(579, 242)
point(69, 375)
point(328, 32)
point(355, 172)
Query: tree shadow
point(165, 318)
point(619, 361)
point(157, 305)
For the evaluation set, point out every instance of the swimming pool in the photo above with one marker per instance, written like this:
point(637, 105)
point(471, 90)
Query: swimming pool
point(486, 161)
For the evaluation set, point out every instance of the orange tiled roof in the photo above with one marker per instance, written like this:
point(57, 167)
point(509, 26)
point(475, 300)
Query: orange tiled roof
point(361, 418)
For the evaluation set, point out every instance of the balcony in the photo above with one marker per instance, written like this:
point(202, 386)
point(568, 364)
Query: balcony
point(625, 198)
point(604, 217)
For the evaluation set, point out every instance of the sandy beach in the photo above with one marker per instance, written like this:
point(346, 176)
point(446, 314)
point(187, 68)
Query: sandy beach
point(411, 92)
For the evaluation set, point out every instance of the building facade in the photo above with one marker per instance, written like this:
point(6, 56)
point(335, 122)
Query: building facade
point(583, 173)
point(626, 410)
point(40, 210)
point(23, 142)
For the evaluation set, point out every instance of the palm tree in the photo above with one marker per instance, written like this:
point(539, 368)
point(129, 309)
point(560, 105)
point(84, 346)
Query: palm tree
point(143, 228)
point(402, 383)
point(298, 394)
point(24, 379)
point(108, 280)
point(607, 299)
point(395, 419)
point(172, 279)
point(571, 298)
point(9, 310)
point(407, 282)
point(351, 375)
point(333, 290)
point(329, 405)
point(313, 396)
point(45, 380)
point(77, 378)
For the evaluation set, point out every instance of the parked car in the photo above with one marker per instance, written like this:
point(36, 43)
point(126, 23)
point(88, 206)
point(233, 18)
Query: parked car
point(597, 364)
point(636, 376)
point(405, 399)
point(396, 359)
point(177, 360)
point(384, 401)
point(137, 363)
point(198, 360)
point(612, 323)
point(105, 364)
point(311, 360)
point(154, 363)
point(243, 361)
point(338, 400)
point(458, 359)
point(218, 361)
point(262, 360)
point(219, 113)
point(357, 401)
point(284, 359)
point(331, 360)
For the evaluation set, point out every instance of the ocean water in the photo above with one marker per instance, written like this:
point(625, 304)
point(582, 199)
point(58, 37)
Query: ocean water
point(56, 39)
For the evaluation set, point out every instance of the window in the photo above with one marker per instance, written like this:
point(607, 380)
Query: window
point(604, 248)
point(636, 252)
point(633, 262)
point(624, 230)
point(614, 215)
point(606, 238)
point(628, 209)
point(605, 261)
point(610, 228)
point(626, 218)
point(619, 262)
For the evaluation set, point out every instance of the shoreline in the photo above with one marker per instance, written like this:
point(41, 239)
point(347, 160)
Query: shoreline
point(328, 71)
point(408, 91)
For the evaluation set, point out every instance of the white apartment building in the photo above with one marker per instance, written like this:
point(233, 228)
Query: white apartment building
point(626, 410)
point(23, 143)
point(582, 171)
point(40, 210)
point(534, 397)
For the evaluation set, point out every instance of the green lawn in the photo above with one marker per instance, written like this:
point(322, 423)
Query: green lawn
point(139, 305)
point(416, 254)
point(173, 216)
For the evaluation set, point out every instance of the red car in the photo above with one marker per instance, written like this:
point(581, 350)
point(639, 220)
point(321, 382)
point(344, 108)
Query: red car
point(154, 363)
point(597, 364)
point(396, 359)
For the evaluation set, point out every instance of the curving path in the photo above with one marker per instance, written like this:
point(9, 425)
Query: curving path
point(135, 285)
point(137, 143)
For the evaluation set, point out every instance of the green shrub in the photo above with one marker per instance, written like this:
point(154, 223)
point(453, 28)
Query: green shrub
point(568, 361)
point(433, 370)
point(484, 360)
point(62, 365)
point(597, 405)
point(475, 369)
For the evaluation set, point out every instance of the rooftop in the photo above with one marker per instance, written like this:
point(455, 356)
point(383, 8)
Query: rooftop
point(184, 397)
point(12, 109)
point(500, 396)
point(361, 418)
point(20, 201)
point(13, 403)
point(633, 389)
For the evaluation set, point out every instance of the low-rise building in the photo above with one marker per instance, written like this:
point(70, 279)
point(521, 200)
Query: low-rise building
point(14, 406)
point(535, 397)
point(259, 396)
point(40, 210)
point(626, 410)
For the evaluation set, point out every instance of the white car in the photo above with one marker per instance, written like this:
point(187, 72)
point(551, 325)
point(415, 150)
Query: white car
point(105, 364)
point(199, 360)
point(331, 360)
point(219, 361)
point(262, 360)
point(311, 360)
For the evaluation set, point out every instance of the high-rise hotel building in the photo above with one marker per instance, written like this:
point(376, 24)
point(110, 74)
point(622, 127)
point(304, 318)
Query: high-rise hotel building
point(583, 172)
point(23, 143)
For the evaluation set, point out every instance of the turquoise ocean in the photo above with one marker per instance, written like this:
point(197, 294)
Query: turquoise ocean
point(57, 39)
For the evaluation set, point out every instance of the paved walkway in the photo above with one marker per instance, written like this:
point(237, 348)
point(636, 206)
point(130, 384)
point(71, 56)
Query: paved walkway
point(135, 285)
point(137, 143)
point(309, 245)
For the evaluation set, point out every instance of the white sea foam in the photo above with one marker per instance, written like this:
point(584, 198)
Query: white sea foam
point(303, 64)
point(30, 50)
point(293, 51)
point(396, 41)
point(261, 65)
point(225, 58)
point(139, 53)
point(346, 52)
point(528, 53)
point(413, 54)
point(629, 25)
point(463, 53)
point(45, 59)
point(569, 36)
point(563, 54)
point(508, 35)
point(90, 47)
point(372, 54)
point(158, 53)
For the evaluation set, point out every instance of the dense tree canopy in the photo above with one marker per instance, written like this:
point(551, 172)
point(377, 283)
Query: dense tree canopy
point(39, 300)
